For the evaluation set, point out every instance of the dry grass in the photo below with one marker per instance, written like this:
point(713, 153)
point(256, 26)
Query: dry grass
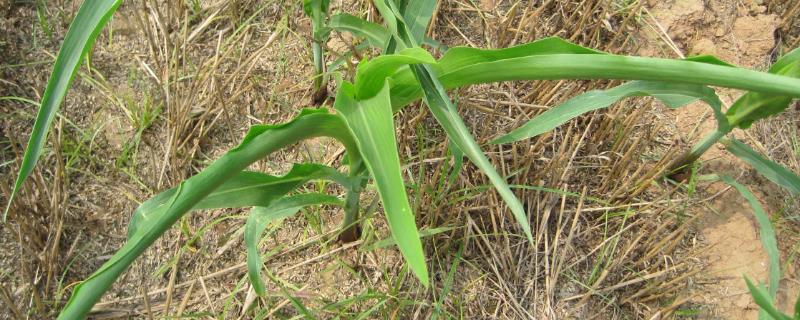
point(611, 242)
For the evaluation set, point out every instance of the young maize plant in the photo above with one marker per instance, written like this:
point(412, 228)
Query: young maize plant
point(363, 123)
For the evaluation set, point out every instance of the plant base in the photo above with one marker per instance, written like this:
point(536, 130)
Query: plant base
point(350, 234)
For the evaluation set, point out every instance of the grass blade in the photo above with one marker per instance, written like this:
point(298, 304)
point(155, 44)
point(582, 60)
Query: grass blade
point(259, 142)
point(261, 217)
point(446, 114)
point(770, 170)
point(90, 20)
point(767, 235)
point(672, 94)
point(377, 36)
point(373, 128)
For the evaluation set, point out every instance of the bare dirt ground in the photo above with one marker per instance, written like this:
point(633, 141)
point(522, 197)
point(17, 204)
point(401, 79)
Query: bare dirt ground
point(175, 86)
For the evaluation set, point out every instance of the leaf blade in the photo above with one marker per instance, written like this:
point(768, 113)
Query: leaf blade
point(770, 170)
point(256, 144)
point(377, 36)
point(673, 94)
point(84, 29)
point(417, 15)
point(446, 114)
point(767, 235)
point(762, 300)
point(372, 125)
point(261, 216)
point(557, 60)
point(245, 189)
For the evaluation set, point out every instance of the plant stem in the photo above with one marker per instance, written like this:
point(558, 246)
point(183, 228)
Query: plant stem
point(320, 89)
point(679, 166)
point(350, 228)
point(318, 16)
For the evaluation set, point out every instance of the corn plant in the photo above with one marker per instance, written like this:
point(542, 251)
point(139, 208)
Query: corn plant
point(362, 121)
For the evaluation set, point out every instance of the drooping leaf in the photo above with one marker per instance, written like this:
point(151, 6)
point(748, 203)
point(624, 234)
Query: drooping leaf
point(371, 123)
point(767, 235)
point(770, 170)
point(754, 106)
point(89, 21)
point(377, 36)
point(761, 297)
point(260, 217)
point(371, 75)
point(446, 114)
point(556, 59)
point(260, 141)
point(245, 189)
point(674, 95)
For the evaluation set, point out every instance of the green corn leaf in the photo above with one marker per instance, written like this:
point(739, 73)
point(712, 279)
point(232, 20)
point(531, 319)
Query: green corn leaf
point(371, 75)
point(259, 142)
point(417, 14)
point(377, 36)
point(770, 170)
point(245, 189)
point(446, 114)
point(372, 126)
point(761, 297)
point(767, 234)
point(260, 217)
point(674, 95)
point(754, 106)
point(556, 59)
point(90, 20)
